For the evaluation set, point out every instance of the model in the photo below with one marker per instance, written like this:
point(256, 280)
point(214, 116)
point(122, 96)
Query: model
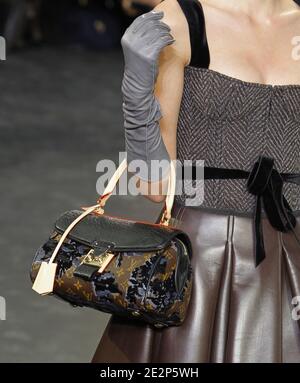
point(227, 91)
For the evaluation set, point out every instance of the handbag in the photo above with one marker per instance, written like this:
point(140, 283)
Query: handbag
point(134, 269)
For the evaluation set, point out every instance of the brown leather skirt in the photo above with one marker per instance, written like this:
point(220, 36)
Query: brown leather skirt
point(237, 313)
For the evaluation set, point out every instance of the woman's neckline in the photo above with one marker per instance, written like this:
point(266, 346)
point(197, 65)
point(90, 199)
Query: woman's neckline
point(235, 79)
point(240, 81)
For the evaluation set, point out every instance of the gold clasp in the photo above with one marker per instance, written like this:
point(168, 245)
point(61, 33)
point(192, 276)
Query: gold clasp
point(165, 219)
point(100, 261)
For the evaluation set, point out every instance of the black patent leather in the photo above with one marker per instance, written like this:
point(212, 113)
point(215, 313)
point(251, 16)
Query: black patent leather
point(144, 286)
point(182, 269)
point(86, 272)
point(103, 231)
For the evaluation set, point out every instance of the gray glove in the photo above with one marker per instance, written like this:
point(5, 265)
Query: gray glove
point(142, 42)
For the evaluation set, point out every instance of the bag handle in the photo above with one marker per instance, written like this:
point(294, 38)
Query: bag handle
point(44, 280)
point(115, 179)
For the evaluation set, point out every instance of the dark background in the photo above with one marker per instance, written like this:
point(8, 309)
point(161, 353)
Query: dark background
point(60, 114)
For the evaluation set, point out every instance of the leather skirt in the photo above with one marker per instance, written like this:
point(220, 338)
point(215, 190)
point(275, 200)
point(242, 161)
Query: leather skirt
point(237, 313)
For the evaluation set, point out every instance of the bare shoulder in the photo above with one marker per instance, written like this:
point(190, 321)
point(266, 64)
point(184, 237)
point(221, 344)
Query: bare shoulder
point(175, 19)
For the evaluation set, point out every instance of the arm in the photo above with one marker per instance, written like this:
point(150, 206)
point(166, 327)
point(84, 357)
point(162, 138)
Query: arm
point(168, 93)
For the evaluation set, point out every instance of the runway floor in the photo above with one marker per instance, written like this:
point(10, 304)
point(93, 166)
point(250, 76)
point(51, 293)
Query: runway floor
point(60, 114)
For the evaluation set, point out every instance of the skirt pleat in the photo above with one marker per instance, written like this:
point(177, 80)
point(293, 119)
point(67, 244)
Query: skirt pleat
point(238, 313)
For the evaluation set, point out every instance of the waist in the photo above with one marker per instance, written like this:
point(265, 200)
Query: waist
point(230, 190)
point(265, 185)
point(221, 210)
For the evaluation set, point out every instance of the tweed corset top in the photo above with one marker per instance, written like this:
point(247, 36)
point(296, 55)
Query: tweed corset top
point(228, 123)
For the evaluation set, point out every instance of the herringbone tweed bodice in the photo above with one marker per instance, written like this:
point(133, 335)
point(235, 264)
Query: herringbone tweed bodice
point(228, 123)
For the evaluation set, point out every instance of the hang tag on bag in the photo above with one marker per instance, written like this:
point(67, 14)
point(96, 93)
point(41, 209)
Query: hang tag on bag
point(44, 280)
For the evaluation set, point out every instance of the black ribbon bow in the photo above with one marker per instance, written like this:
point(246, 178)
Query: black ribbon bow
point(266, 183)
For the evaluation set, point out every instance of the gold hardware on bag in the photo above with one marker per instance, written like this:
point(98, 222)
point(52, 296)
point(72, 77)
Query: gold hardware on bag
point(100, 261)
point(165, 219)
point(136, 313)
point(44, 281)
point(158, 325)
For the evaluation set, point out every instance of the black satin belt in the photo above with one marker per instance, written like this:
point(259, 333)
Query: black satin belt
point(266, 184)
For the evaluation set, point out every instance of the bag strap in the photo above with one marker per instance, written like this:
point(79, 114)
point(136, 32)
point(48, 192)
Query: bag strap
point(44, 281)
point(169, 197)
point(107, 193)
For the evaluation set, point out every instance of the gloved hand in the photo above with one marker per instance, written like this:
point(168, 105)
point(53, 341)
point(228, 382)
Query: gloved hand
point(142, 43)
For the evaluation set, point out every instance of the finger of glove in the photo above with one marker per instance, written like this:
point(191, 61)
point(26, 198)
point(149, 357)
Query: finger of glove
point(144, 19)
point(139, 40)
point(152, 26)
point(146, 35)
point(154, 47)
point(160, 39)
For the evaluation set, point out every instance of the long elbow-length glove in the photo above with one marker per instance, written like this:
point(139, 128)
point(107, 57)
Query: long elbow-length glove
point(142, 42)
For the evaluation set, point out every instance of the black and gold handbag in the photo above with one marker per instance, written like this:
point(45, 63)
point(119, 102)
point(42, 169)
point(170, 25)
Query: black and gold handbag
point(130, 268)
